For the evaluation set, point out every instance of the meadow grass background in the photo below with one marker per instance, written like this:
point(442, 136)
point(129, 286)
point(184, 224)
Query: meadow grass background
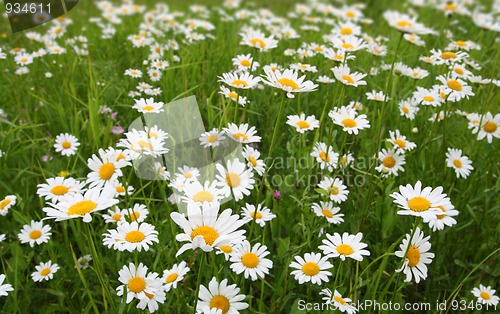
point(71, 99)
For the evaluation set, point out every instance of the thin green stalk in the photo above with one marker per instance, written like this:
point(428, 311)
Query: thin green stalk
point(198, 281)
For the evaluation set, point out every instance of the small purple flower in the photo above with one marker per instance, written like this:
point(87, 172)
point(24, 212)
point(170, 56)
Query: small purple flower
point(117, 129)
point(113, 115)
point(277, 195)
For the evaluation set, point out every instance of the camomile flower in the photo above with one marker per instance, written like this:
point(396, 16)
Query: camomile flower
point(349, 119)
point(414, 39)
point(154, 75)
point(303, 67)
point(288, 81)
point(461, 71)
point(303, 123)
point(455, 88)
point(445, 218)
point(448, 57)
point(407, 110)
point(261, 215)
point(253, 162)
point(242, 133)
point(205, 229)
point(419, 202)
point(84, 261)
point(489, 127)
point(462, 45)
point(460, 163)
point(122, 189)
point(66, 144)
point(138, 213)
point(57, 188)
point(250, 260)
point(345, 160)
point(312, 268)
point(221, 297)
point(340, 303)
point(148, 105)
point(139, 143)
point(133, 73)
point(417, 73)
point(35, 233)
point(347, 245)
point(377, 96)
point(400, 142)
point(242, 100)
point(338, 55)
point(196, 194)
point(257, 39)
point(325, 156)
point(212, 138)
point(5, 288)
point(81, 205)
point(405, 23)
point(187, 173)
point(392, 161)
point(347, 43)
point(137, 283)
point(235, 179)
point(23, 59)
point(131, 236)
point(325, 79)
point(428, 97)
point(346, 28)
point(485, 295)
point(152, 300)
point(2, 237)
point(114, 216)
point(105, 169)
point(326, 209)
point(44, 271)
point(343, 74)
point(243, 62)
point(171, 277)
point(7, 203)
point(416, 256)
point(242, 80)
point(335, 189)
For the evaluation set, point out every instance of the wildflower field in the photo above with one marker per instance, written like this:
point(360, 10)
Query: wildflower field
point(251, 156)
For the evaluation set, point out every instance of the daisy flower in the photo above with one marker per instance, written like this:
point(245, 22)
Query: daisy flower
point(221, 297)
point(338, 55)
point(35, 233)
point(428, 97)
point(347, 43)
point(261, 214)
point(205, 229)
point(303, 123)
point(336, 190)
point(257, 39)
point(196, 194)
point(136, 282)
point(345, 160)
point(138, 213)
point(242, 80)
point(377, 96)
point(212, 138)
point(235, 179)
point(400, 142)
point(138, 142)
point(326, 209)
point(325, 79)
point(312, 268)
point(253, 162)
point(187, 173)
point(242, 133)
point(414, 39)
point(4, 288)
point(7, 203)
point(419, 202)
point(106, 169)
point(445, 218)
point(243, 62)
point(405, 23)
point(392, 161)
point(155, 75)
point(114, 216)
point(81, 205)
point(288, 81)
point(133, 73)
point(242, 100)
point(417, 256)
point(131, 236)
point(84, 261)
point(485, 295)
point(448, 57)
point(251, 260)
point(57, 188)
point(344, 246)
point(152, 300)
point(455, 88)
point(122, 189)
point(460, 163)
point(488, 128)
point(148, 105)
point(343, 74)
point(407, 110)
point(171, 277)
point(66, 144)
point(339, 302)
point(348, 119)
point(325, 156)
point(44, 271)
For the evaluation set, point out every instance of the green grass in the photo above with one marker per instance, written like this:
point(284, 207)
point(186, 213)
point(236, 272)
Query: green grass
point(39, 109)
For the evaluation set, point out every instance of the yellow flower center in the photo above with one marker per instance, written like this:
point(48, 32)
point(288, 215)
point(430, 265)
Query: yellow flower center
point(232, 95)
point(413, 256)
point(59, 190)
point(419, 204)
point(212, 138)
point(171, 278)
point(288, 82)
point(457, 163)
point(220, 302)
point(257, 42)
point(134, 216)
point(209, 234)
point(81, 208)
point(239, 83)
point(339, 300)
point(148, 108)
point(323, 156)
point(346, 31)
point(327, 213)
point(405, 109)
point(66, 145)
point(117, 217)
point(44, 272)
point(250, 260)
point(450, 7)
point(389, 162)
point(400, 143)
point(350, 14)
point(134, 236)
point(226, 249)
point(245, 63)
point(187, 175)
point(459, 71)
point(333, 190)
point(35, 234)
point(461, 43)
point(448, 55)
point(443, 210)
point(303, 124)
point(149, 295)
point(318, 48)
point(120, 189)
point(455, 85)
point(485, 295)
point(241, 136)
point(310, 269)
point(256, 215)
point(136, 284)
point(252, 160)
point(233, 179)
point(490, 127)
point(348, 78)
point(120, 157)
point(404, 23)
point(106, 171)
point(428, 98)
point(341, 57)
point(347, 46)
point(345, 249)
point(203, 196)
point(349, 123)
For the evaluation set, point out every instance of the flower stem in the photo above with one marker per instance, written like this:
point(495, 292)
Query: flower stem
point(198, 281)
